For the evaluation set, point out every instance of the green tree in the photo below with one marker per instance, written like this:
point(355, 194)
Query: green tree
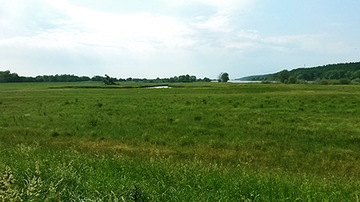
point(7, 76)
point(223, 77)
point(292, 80)
point(283, 76)
point(206, 79)
point(109, 81)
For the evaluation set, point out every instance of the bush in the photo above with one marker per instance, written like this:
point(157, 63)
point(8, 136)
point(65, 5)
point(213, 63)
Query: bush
point(291, 80)
point(345, 81)
point(357, 81)
point(324, 82)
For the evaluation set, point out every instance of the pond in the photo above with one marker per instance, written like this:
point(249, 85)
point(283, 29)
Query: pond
point(159, 87)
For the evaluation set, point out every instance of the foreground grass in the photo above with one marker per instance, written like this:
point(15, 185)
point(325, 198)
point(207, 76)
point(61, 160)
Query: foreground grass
point(191, 142)
point(69, 175)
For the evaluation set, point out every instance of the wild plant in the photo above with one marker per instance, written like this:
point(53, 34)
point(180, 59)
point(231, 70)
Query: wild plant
point(33, 185)
point(8, 191)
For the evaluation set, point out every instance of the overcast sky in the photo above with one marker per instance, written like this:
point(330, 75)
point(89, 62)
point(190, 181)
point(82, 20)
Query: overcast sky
point(164, 38)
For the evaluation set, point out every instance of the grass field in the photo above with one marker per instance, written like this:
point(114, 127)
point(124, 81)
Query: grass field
point(191, 142)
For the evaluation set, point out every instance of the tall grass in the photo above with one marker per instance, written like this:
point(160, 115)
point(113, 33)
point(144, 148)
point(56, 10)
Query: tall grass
point(69, 175)
point(191, 142)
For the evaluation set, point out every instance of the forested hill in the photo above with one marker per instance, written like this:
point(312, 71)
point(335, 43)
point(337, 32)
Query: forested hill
point(349, 71)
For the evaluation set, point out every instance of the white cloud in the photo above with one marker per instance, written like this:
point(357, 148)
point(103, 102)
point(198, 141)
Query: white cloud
point(220, 22)
point(61, 24)
point(67, 36)
point(136, 31)
point(218, 4)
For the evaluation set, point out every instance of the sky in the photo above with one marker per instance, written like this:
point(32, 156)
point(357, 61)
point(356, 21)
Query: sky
point(165, 38)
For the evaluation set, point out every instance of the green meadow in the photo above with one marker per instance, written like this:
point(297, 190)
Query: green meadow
point(191, 142)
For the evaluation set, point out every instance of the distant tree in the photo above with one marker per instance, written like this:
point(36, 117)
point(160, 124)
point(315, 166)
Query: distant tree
point(182, 78)
point(187, 78)
point(97, 78)
point(283, 76)
point(108, 80)
point(85, 78)
point(206, 79)
point(7, 76)
point(223, 77)
point(292, 80)
point(192, 78)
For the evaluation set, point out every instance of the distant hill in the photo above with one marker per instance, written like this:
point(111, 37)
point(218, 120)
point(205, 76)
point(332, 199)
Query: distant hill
point(257, 77)
point(349, 71)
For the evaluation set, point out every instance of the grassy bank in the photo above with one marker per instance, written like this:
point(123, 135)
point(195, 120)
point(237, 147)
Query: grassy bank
point(202, 141)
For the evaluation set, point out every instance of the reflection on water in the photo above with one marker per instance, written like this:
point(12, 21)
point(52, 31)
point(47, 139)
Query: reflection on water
point(237, 81)
point(159, 87)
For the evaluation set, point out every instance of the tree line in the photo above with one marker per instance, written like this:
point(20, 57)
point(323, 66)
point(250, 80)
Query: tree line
point(176, 79)
point(7, 76)
point(342, 71)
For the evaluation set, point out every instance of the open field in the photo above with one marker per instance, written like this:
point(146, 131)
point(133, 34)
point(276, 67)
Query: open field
point(200, 141)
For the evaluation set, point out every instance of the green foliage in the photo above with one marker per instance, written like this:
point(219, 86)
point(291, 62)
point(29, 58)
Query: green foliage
point(350, 71)
point(206, 79)
point(223, 77)
point(345, 81)
point(323, 82)
point(292, 80)
point(335, 82)
point(7, 76)
point(108, 80)
point(283, 76)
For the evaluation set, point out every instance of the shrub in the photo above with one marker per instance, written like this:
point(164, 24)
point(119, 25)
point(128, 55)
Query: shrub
point(324, 82)
point(345, 81)
point(291, 80)
point(357, 80)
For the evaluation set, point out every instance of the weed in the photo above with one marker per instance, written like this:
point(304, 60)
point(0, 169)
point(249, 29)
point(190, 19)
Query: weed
point(8, 191)
point(33, 185)
point(24, 149)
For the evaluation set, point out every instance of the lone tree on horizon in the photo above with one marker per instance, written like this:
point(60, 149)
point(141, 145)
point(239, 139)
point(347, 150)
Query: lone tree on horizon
point(223, 77)
point(108, 80)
